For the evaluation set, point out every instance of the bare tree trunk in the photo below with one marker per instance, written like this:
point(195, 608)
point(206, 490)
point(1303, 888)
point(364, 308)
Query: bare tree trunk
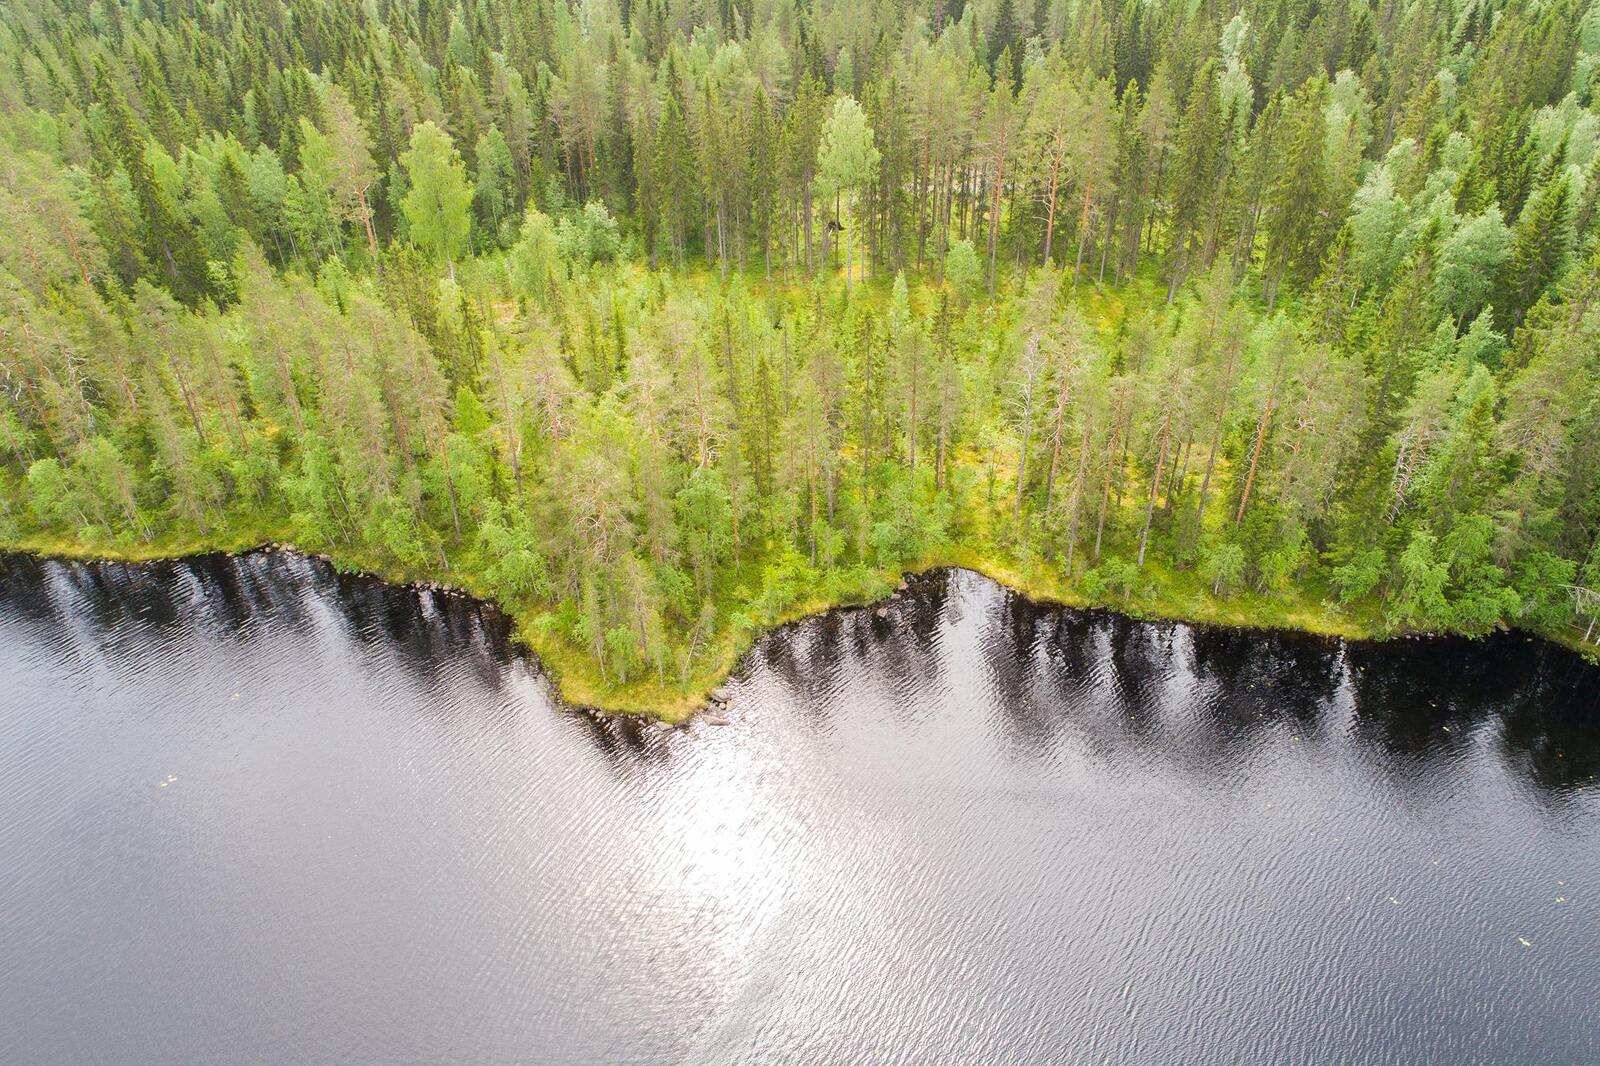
point(848, 243)
point(1083, 228)
point(1062, 392)
point(513, 444)
point(188, 401)
point(1050, 196)
point(994, 211)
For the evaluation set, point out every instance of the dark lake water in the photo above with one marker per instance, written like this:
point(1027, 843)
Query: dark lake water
point(255, 812)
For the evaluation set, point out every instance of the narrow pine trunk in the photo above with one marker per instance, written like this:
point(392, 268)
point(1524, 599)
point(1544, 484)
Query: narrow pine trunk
point(1155, 490)
point(1076, 506)
point(1255, 458)
point(1050, 200)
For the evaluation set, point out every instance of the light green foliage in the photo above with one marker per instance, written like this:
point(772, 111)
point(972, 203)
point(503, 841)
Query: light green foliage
point(495, 183)
point(705, 519)
point(588, 237)
point(51, 495)
point(1542, 588)
point(396, 530)
point(310, 220)
point(471, 420)
point(1479, 597)
point(1358, 578)
point(1223, 564)
point(963, 269)
point(1377, 225)
point(533, 259)
point(1279, 565)
point(1420, 601)
point(313, 494)
point(1469, 261)
point(847, 160)
point(437, 200)
point(847, 157)
point(513, 563)
point(1481, 343)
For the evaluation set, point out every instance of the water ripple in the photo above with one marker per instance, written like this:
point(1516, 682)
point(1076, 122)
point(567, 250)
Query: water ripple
point(256, 811)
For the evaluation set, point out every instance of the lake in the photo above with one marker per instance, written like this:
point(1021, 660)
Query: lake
point(253, 811)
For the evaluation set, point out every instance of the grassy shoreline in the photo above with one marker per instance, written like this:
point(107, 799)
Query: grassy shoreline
point(580, 684)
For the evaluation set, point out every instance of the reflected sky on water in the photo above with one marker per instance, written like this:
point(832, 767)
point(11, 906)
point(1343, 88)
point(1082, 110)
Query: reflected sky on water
point(252, 811)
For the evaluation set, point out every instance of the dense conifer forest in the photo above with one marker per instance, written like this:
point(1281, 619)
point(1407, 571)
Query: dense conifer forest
point(660, 321)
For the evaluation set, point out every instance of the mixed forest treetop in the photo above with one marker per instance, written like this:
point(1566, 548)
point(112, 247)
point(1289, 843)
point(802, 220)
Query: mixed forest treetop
point(658, 320)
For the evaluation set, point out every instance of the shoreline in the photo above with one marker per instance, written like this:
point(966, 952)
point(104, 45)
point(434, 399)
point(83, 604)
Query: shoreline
point(580, 686)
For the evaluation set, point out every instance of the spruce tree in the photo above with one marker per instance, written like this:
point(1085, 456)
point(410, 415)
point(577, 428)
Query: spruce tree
point(1540, 249)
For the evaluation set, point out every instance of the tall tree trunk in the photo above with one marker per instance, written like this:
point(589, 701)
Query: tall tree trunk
point(1062, 393)
point(1083, 229)
point(1155, 488)
point(1050, 196)
point(1076, 506)
point(1022, 464)
point(1105, 497)
point(847, 249)
point(188, 401)
point(994, 210)
point(1255, 455)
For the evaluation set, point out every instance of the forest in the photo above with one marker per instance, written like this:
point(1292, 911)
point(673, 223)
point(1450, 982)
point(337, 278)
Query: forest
point(663, 321)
